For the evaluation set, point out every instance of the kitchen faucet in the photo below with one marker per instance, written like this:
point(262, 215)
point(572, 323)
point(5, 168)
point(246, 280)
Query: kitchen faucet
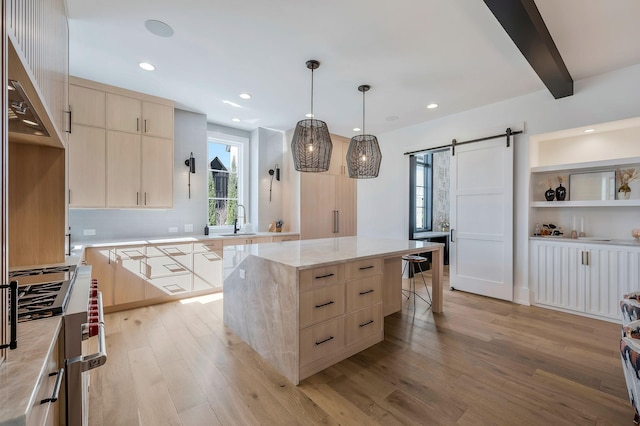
point(235, 221)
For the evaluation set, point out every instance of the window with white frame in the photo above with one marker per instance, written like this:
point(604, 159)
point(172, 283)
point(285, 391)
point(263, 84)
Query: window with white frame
point(225, 175)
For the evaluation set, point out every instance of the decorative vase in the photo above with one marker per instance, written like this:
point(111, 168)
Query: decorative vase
point(561, 193)
point(550, 194)
point(624, 192)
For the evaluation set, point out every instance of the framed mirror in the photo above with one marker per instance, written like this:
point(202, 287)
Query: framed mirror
point(592, 186)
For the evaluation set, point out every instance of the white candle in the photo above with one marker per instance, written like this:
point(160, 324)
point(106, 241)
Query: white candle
point(581, 223)
point(574, 223)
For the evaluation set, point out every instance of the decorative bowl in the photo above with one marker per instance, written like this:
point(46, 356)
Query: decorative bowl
point(635, 233)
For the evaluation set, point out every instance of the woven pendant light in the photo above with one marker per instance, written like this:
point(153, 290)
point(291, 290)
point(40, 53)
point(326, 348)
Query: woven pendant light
point(311, 144)
point(363, 156)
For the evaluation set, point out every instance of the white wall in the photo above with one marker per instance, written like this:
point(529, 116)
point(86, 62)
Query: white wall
point(383, 202)
point(268, 153)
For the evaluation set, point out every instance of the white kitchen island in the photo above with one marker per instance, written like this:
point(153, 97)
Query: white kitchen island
point(306, 305)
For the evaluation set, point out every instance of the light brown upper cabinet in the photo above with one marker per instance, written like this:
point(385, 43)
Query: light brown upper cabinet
point(327, 206)
point(87, 106)
point(128, 114)
point(338, 165)
point(121, 148)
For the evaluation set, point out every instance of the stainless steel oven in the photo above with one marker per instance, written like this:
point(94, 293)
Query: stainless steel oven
point(83, 325)
point(70, 292)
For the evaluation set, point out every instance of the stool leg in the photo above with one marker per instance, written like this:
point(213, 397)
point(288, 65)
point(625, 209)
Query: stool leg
point(413, 281)
point(425, 284)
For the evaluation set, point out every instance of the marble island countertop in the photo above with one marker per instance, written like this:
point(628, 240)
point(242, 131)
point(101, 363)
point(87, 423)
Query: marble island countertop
point(303, 254)
point(23, 367)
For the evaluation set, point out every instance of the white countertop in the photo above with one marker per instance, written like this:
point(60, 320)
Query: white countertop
point(310, 253)
point(177, 239)
point(590, 240)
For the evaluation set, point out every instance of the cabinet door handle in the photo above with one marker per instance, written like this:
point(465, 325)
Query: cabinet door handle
point(585, 257)
point(137, 124)
point(137, 198)
point(451, 235)
point(366, 323)
point(337, 221)
point(145, 198)
point(324, 341)
point(69, 112)
point(69, 196)
point(56, 387)
point(364, 268)
point(145, 125)
point(324, 276)
point(362, 293)
point(330, 302)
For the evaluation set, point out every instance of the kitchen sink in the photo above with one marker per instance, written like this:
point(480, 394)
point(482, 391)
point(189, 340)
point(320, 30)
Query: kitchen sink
point(239, 234)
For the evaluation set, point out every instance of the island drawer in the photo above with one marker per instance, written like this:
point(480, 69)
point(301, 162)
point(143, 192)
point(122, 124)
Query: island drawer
point(321, 304)
point(363, 268)
point(322, 276)
point(363, 292)
point(363, 323)
point(321, 340)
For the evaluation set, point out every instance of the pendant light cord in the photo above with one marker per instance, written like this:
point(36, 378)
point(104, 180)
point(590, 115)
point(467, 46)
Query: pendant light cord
point(312, 93)
point(363, 92)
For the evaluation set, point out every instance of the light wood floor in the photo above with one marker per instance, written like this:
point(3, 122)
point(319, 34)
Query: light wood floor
point(482, 362)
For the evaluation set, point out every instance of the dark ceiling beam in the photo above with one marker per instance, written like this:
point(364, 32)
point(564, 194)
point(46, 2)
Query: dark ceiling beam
point(524, 24)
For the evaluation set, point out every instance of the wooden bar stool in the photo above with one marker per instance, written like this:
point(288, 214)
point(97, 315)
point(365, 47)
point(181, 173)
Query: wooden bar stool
point(415, 261)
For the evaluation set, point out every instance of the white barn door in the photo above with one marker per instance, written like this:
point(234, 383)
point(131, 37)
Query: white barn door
point(481, 249)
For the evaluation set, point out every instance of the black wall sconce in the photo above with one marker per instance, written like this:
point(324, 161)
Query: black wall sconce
point(191, 164)
point(273, 173)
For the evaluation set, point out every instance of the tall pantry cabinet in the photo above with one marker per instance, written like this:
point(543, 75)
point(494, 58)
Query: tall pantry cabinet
point(328, 201)
point(121, 148)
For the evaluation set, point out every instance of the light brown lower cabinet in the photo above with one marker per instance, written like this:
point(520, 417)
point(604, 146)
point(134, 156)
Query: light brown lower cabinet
point(131, 276)
point(340, 312)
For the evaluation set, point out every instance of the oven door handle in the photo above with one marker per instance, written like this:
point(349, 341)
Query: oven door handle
point(98, 359)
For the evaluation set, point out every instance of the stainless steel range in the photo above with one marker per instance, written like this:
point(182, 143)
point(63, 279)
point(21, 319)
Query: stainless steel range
point(42, 292)
point(67, 291)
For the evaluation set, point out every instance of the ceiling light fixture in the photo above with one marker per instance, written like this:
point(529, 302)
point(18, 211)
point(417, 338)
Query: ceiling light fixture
point(363, 156)
point(309, 115)
point(147, 66)
point(356, 129)
point(158, 28)
point(311, 144)
point(233, 104)
point(432, 106)
point(235, 120)
point(590, 130)
point(245, 95)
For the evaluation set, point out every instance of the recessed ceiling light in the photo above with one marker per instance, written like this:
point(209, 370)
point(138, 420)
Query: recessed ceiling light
point(432, 106)
point(245, 95)
point(590, 130)
point(233, 104)
point(309, 115)
point(147, 66)
point(158, 28)
point(235, 120)
point(356, 129)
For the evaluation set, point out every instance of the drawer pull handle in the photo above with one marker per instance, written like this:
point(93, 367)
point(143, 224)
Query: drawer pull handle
point(324, 341)
point(362, 293)
point(366, 267)
point(366, 323)
point(325, 276)
point(56, 387)
point(330, 302)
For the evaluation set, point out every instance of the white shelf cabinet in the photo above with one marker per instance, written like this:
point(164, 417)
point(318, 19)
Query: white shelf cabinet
point(541, 173)
point(588, 279)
